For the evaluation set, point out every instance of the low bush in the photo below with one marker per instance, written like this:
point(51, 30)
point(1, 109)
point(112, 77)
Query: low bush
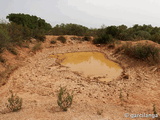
point(2, 60)
point(99, 112)
point(40, 37)
point(103, 39)
point(14, 102)
point(12, 50)
point(156, 38)
point(52, 41)
point(62, 39)
point(37, 47)
point(142, 52)
point(64, 98)
point(86, 38)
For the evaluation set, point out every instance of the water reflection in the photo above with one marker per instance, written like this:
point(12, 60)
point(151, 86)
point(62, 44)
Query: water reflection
point(92, 64)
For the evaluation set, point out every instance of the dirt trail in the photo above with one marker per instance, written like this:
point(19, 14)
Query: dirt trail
point(38, 80)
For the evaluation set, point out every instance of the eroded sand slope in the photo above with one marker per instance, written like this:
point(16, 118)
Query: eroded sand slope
point(40, 76)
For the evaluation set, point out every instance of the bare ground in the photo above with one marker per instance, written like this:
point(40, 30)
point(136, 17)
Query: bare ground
point(39, 76)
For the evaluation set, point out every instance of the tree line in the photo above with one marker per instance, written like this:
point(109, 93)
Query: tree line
point(22, 27)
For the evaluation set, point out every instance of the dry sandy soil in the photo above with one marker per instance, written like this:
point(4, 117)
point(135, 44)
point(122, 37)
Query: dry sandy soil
point(38, 77)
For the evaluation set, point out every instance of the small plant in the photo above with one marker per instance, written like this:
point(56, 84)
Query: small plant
point(121, 97)
point(53, 42)
point(154, 109)
point(99, 112)
point(12, 50)
point(25, 45)
point(86, 38)
point(2, 59)
point(14, 102)
point(62, 39)
point(40, 37)
point(36, 47)
point(64, 98)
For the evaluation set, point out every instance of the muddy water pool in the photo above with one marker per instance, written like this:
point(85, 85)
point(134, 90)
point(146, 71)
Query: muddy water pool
point(91, 64)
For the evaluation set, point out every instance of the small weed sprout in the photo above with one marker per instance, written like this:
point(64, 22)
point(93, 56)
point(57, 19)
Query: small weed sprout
point(64, 98)
point(14, 102)
point(99, 112)
point(154, 109)
point(121, 97)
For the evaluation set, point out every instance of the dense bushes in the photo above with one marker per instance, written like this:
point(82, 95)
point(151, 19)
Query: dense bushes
point(22, 28)
point(156, 37)
point(26, 26)
point(103, 39)
point(32, 22)
point(4, 37)
point(106, 35)
point(12, 34)
point(142, 52)
point(137, 32)
point(86, 38)
point(69, 29)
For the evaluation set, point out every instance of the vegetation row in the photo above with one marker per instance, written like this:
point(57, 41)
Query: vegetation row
point(22, 27)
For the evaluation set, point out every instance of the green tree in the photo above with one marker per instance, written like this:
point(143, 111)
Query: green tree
point(69, 29)
point(26, 20)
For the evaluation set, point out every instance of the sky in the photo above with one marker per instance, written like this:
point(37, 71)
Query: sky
point(89, 13)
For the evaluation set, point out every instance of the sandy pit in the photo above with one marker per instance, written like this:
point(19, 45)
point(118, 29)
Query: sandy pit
point(38, 79)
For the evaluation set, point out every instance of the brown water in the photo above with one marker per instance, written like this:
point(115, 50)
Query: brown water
point(91, 64)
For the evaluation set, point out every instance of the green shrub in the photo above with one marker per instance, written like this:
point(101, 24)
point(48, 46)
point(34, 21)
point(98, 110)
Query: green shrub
point(62, 39)
point(53, 42)
point(142, 35)
point(37, 47)
point(154, 109)
point(99, 112)
point(86, 38)
point(112, 30)
point(12, 50)
point(14, 102)
point(64, 98)
point(2, 59)
point(142, 52)
point(15, 33)
point(40, 37)
point(69, 29)
point(103, 39)
point(30, 21)
point(156, 38)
